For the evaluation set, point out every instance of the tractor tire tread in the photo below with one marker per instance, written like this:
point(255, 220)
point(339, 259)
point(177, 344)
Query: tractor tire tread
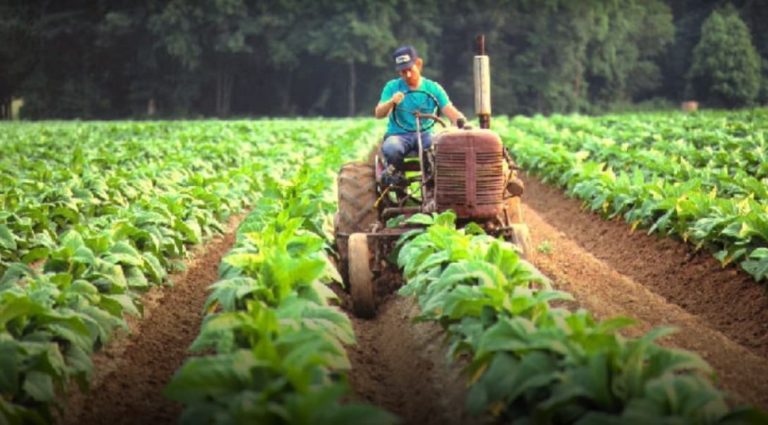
point(357, 198)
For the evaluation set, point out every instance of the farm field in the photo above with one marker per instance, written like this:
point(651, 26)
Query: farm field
point(701, 178)
point(100, 220)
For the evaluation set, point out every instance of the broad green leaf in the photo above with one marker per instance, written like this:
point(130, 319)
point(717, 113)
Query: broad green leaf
point(447, 218)
point(36, 254)
point(135, 277)
point(669, 361)
point(757, 264)
point(534, 371)
point(302, 348)
point(472, 273)
point(218, 331)
point(79, 363)
point(329, 320)
point(202, 378)
point(14, 305)
point(419, 218)
point(84, 287)
point(127, 305)
point(228, 292)
point(70, 327)
point(247, 261)
point(14, 273)
point(153, 268)
point(123, 253)
point(7, 239)
point(70, 214)
point(190, 229)
point(11, 356)
point(71, 241)
point(39, 386)
point(84, 255)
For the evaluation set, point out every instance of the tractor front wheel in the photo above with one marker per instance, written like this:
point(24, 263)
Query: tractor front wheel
point(361, 276)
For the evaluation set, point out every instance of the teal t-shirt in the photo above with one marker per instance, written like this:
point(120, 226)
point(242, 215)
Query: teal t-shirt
point(412, 102)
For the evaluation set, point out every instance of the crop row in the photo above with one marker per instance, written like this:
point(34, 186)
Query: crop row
point(532, 362)
point(734, 143)
point(92, 214)
point(278, 343)
point(703, 184)
point(57, 177)
point(679, 148)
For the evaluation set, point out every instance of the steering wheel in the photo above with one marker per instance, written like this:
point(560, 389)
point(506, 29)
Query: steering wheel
point(416, 103)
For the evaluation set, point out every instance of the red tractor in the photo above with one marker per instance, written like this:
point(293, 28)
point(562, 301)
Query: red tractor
point(465, 170)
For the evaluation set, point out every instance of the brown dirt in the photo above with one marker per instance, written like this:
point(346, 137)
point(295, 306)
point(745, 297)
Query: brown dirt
point(133, 369)
point(720, 313)
point(403, 367)
point(727, 298)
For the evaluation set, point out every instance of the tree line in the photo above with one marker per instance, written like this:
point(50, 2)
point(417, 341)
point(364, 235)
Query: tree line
point(101, 59)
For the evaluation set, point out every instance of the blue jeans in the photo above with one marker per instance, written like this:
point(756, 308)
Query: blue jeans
point(397, 146)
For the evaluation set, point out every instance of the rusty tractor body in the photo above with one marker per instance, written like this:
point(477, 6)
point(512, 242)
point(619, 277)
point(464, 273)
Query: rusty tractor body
point(469, 172)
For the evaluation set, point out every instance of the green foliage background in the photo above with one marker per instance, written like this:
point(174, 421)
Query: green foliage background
point(97, 59)
point(726, 67)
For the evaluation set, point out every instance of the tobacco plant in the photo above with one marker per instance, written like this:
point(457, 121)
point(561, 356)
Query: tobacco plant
point(532, 362)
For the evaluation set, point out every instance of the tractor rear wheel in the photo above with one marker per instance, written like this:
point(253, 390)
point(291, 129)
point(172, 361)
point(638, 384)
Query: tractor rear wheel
point(357, 197)
point(356, 214)
point(360, 276)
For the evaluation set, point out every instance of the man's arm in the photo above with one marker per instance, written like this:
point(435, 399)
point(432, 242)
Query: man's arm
point(453, 113)
point(383, 108)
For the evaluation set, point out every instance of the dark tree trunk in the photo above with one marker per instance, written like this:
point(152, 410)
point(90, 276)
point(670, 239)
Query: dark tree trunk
point(224, 82)
point(85, 105)
point(151, 107)
point(352, 85)
point(284, 94)
point(5, 109)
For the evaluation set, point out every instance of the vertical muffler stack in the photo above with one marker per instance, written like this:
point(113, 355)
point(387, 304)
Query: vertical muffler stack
point(482, 72)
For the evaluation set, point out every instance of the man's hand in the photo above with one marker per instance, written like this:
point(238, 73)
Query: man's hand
point(453, 114)
point(383, 108)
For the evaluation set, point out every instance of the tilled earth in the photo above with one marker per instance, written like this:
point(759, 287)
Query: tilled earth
point(132, 371)
point(402, 366)
point(720, 313)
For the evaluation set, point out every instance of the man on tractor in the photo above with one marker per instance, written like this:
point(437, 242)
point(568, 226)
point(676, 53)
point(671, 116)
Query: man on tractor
point(401, 100)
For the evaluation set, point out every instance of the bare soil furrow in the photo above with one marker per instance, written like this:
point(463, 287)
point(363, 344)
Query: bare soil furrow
point(726, 298)
point(402, 366)
point(132, 371)
point(608, 288)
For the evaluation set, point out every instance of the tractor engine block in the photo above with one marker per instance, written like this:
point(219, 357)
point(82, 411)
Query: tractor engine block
point(469, 173)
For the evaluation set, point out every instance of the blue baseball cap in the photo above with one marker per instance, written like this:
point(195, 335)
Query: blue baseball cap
point(404, 57)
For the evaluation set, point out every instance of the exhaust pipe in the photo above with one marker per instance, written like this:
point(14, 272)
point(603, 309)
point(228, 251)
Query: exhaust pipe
point(482, 72)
